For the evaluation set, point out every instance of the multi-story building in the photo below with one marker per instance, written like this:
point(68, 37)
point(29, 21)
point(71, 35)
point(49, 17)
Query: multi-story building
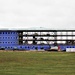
point(36, 39)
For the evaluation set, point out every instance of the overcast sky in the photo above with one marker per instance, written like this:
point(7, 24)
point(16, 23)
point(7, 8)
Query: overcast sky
point(37, 13)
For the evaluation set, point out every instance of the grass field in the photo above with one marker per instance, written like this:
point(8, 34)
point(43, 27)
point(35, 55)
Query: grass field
point(37, 63)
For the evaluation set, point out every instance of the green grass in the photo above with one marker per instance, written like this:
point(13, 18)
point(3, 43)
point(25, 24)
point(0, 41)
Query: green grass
point(37, 63)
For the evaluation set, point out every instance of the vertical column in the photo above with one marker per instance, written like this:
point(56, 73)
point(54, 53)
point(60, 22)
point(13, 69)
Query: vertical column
point(55, 38)
point(33, 39)
point(40, 37)
point(20, 33)
point(48, 38)
point(72, 38)
point(61, 37)
point(66, 37)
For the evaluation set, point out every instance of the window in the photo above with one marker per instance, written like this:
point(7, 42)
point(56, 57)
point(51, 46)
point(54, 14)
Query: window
point(3, 32)
point(8, 42)
point(5, 47)
point(21, 47)
point(13, 32)
point(8, 47)
point(8, 32)
point(16, 37)
point(8, 37)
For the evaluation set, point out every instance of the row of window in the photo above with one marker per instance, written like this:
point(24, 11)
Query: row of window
point(22, 47)
point(8, 42)
point(8, 37)
point(39, 32)
point(8, 47)
point(37, 38)
point(8, 33)
point(31, 47)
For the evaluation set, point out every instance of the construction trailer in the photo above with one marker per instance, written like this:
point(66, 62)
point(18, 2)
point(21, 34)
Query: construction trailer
point(37, 39)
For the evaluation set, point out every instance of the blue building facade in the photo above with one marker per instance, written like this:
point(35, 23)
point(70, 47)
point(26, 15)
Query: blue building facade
point(13, 39)
point(8, 39)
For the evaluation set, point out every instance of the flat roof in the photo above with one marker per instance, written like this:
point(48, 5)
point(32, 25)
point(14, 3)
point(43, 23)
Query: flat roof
point(37, 29)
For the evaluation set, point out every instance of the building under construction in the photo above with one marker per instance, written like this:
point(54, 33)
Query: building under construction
point(30, 39)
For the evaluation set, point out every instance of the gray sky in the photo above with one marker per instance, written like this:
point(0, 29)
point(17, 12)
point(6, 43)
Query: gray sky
point(37, 13)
